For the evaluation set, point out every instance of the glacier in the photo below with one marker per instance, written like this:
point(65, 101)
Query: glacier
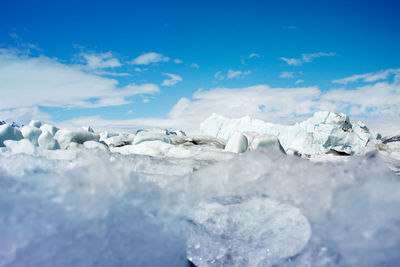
point(243, 193)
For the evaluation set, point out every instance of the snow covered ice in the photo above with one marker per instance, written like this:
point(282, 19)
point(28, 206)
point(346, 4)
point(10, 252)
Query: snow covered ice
point(238, 196)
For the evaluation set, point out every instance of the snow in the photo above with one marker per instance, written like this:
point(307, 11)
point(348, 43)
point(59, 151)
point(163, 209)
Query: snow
point(317, 135)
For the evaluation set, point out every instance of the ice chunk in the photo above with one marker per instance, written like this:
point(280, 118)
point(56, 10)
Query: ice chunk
point(88, 129)
point(266, 141)
point(237, 232)
point(95, 145)
point(237, 143)
point(119, 140)
point(154, 135)
point(66, 136)
point(31, 133)
point(175, 132)
point(47, 141)
point(35, 123)
point(155, 148)
point(7, 132)
point(317, 135)
point(49, 128)
point(21, 146)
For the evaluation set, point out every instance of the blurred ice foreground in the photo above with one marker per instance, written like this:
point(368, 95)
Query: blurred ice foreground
point(129, 200)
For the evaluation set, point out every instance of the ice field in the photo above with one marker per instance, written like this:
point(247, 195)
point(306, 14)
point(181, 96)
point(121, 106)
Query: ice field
point(241, 192)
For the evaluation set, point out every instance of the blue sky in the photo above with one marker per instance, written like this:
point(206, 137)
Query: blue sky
point(286, 46)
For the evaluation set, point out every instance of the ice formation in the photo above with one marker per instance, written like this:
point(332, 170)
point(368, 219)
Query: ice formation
point(317, 135)
point(239, 196)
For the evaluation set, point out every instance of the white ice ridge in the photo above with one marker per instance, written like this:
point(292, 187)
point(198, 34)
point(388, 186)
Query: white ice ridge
point(319, 134)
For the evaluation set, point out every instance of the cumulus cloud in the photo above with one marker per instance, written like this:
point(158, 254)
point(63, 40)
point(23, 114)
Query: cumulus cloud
point(373, 100)
point(305, 58)
point(27, 81)
point(178, 61)
point(23, 115)
point(370, 77)
point(100, 60)
point(288, 104)
point(174, 79)
point(279, 105)
point(299, 81)
point(149, 58)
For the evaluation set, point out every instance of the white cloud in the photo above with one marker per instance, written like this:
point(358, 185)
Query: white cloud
point(178, 61)
point(237, 74)
point(27, 81)
point(299, 81)
point(287, 74)
point(100, 60)
point(174, 79)
point(371, 100)
point(218, 75)
point(149, 58)
point(194, 65)
point(282, 105)
point(305, 58)
point(23, 115)
point(140, 69)
point(370, 77)
point(288, 104)
point(254, 55)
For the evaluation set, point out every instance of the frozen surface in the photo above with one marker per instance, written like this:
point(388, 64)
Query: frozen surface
point(72, 197)
point(96, 208)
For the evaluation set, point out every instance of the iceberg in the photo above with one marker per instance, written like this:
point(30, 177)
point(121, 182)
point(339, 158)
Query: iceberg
point(319, 134)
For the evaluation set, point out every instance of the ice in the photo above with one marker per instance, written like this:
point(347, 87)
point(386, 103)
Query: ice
point(119, 140)
point(47, 141)
point(95, 145)
point(228, 233)
point(266, 141)
point(31, 133)
point(35, 123)
point(153, 135)
point(49, 128)
point(237, 143)
point(159, 197)
point(66, 136)
point(21, 146)
point(89, 207)
point(7, 132)
point(317, 135)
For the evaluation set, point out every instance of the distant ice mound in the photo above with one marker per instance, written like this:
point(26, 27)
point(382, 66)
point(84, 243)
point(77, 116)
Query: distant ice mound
point(323, 132)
